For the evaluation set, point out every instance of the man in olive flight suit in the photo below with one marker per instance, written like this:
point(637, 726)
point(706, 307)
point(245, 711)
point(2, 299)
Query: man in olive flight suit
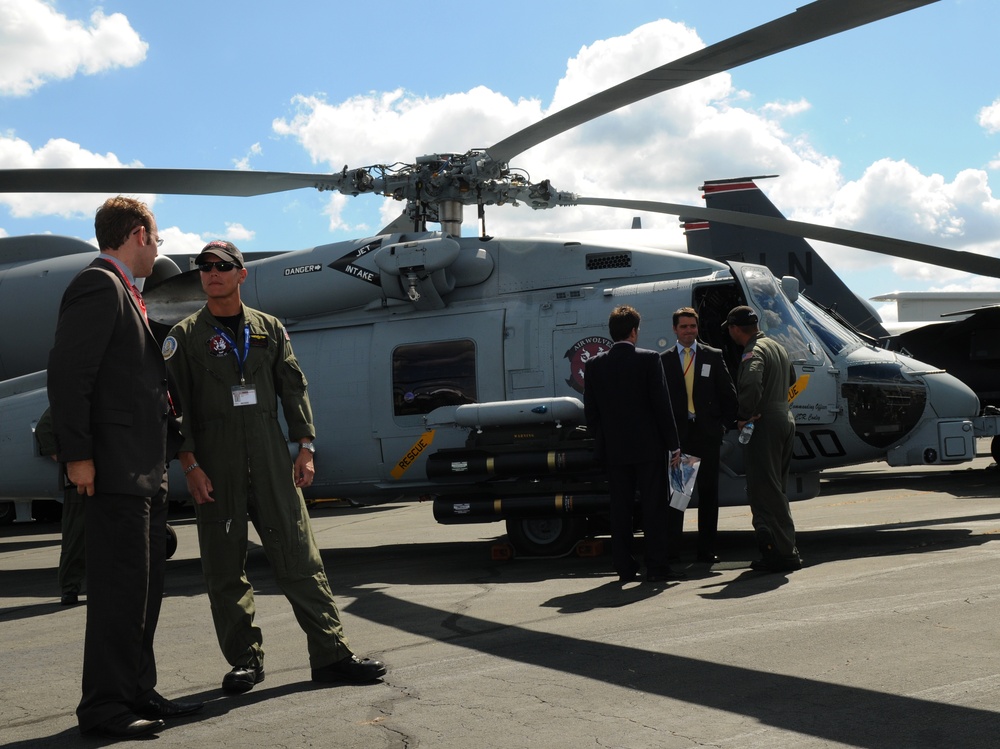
point(232, 364)
point(72, 556)
point(762, 383)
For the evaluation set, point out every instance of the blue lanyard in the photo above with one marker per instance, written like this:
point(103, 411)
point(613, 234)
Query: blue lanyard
point(240, 361)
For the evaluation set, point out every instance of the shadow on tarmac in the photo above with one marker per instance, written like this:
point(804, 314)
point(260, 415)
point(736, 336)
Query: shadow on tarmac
point(807, 706)
point(811, 707)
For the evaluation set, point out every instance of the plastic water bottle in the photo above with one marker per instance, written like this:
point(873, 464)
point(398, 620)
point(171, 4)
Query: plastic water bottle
point(746, 433)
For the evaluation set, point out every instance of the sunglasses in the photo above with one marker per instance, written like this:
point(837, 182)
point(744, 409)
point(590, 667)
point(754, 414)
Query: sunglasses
point(223, 266)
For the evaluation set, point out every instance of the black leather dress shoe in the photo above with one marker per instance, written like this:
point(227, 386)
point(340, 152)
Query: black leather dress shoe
point(126, 726)
point(69, 599)
point(665, 575)
point(159, 706)
point(789, 563)
point(630, 574)
point(352, 669)
point(242, 679)
point(708, 558)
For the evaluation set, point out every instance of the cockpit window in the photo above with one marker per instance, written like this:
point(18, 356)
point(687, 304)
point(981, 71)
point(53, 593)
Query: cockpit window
point(779, 320)
point(834, 336)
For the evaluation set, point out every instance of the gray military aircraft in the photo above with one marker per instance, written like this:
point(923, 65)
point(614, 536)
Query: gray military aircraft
point(450, 367)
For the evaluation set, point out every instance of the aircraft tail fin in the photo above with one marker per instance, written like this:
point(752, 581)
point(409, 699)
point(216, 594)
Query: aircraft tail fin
point(784, 255)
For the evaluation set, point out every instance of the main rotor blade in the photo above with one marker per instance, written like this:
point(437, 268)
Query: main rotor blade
point(807, 24)
point(968, 262)
point(233, 183)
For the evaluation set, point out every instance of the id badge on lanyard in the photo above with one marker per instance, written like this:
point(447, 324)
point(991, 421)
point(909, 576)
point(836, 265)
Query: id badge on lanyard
point(243, 394)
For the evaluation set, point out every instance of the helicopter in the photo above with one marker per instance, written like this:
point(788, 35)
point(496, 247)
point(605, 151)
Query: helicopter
point(449, 367)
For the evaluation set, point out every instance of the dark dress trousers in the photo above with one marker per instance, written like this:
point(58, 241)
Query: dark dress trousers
point(714, 397)
point(107, 386)
point(628, 412)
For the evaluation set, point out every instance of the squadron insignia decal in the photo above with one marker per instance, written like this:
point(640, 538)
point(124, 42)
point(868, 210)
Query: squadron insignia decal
point(580, 353)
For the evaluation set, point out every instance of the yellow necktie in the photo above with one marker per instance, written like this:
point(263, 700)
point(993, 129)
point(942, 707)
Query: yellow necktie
point(689, 378)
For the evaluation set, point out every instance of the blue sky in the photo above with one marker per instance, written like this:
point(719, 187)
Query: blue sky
point(893, 128)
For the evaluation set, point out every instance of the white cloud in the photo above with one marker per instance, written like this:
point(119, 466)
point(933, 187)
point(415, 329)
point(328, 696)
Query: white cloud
point(893, 198)
point(39, 44)
point(787, 108)
point(244, 163)
point(178, 242)
point(16, 153)
point(989, 117)
point(238, 233)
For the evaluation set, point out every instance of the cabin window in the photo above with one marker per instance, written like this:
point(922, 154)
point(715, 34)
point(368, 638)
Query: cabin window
point(426, 376)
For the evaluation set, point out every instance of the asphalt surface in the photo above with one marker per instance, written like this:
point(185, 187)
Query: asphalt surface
point(888, 637)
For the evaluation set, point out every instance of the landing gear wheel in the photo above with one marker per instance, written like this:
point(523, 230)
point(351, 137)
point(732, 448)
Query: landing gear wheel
point(171, 541)
point(7, 513)
point(995, 450)
point(545, 537)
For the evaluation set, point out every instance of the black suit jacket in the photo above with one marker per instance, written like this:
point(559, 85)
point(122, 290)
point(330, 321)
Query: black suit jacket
point(627, 406)
point(713, 393)
point(107, 385)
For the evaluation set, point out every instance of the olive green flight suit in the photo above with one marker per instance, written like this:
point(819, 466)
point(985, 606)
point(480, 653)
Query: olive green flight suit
point(763, 379)
point(72, 551)
point(245, 455)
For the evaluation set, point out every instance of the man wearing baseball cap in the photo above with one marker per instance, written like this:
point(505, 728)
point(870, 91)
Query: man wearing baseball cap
point(762, 383)
point(232, 365)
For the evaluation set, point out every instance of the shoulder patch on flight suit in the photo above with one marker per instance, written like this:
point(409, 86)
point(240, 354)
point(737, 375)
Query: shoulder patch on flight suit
point(747, 356)
point(285, 333)
point(169, 347)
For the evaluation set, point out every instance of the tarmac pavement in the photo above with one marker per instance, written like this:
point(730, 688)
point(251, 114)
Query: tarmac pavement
point(887, 638)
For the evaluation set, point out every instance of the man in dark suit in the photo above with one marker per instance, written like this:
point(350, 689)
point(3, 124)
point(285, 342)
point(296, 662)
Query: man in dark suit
point(114, 426)
point(627, 407)
point(704, 402)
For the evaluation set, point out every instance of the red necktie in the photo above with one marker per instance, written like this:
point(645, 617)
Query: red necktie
point(142, 304)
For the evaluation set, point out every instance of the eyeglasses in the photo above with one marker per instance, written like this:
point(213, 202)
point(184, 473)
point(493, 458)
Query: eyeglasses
point(223, 266)
point(158, 240)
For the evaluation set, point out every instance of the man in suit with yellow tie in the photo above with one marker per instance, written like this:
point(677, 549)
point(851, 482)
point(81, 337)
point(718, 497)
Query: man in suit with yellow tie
point(704, 402)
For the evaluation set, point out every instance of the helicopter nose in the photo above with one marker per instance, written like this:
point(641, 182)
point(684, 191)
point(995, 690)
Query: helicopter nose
point(947, 396)
point(946, 431)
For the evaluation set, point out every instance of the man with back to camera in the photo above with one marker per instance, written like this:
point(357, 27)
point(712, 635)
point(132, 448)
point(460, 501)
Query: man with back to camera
point(704, 401)
point(232, 364)
point(762, 383)
point(115, 428)
point(628, 412)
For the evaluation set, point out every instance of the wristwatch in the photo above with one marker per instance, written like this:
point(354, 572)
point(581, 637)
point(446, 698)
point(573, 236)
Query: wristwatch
point(308, 446)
